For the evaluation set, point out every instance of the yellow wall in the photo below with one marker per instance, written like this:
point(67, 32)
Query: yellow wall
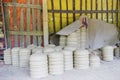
point(77, 7)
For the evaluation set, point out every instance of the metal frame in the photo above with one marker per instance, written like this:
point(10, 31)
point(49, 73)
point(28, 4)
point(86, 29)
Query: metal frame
point(97, 12)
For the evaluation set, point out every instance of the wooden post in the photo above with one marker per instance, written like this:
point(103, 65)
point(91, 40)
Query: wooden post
point(4, 28)
point(45, 22)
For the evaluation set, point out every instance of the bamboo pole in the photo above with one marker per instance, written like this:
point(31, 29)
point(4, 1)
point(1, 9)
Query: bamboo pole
point(45, 22)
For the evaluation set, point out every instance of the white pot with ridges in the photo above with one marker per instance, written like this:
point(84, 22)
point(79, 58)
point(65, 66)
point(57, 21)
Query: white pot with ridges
point(68, 59)
point(94, 60)
point(7, 56)
point(107, 53)
point(15, 56)
point(24, 54)
point(81, 59)
point(38, 66)
point(56, 63)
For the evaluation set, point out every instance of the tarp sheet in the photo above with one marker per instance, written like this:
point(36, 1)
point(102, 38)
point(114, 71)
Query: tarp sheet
point(101, 34)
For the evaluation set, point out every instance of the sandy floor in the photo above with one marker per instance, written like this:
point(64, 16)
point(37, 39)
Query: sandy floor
point(107, 71)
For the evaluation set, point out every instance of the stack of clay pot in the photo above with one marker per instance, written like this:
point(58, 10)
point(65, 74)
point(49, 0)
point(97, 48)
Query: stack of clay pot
point(7, 56)
point(63, 40)
point(56, 63)
point(24, 55)
point(81, 59)
point(72, 39)
point(83, 37)
point(37, 50)
point(15, 56)
point(38, 66)
point(68, 59)
point(78, 37)
point(94, 60)
point(107, 53)
point(117, 52)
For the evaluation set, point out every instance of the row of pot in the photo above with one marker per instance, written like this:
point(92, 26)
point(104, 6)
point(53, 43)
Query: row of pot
point(57, 62)
point(55, 59)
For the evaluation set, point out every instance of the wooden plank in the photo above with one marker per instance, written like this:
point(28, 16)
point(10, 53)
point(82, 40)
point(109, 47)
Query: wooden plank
point(7, 23)
point(60, 14)
point(67, 13)
point(80, 7)
point(15, 24)
point(39, 28)
point(28, 24)
point(85, 6)
point(53, 15)
point(73, 9)
point(27, 33)
point(119, 19)
point(101, 9)
point(83, 11)
point(4, 25)
point(22, 27)
point(91, 9)
point(22, 5)
point(96, 9)
point(45, 22)
point(117, 4)
point(112, 12)
point(33, 24)
point(107, 10)
point(39, 17)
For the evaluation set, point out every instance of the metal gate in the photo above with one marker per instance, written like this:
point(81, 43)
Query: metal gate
point(23, 22)
point(63, 12)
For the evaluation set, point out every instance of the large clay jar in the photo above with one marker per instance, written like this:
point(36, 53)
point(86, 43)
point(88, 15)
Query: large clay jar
point(72, 39)
point(83, 37)
point(68, 59)
point(15, 56)
point(81, 59)
point(62, 41)
point(7, 56)
point(56, 63)
point(24, 55)
point(94, 60)
point(107, 53)
point(38, 66)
